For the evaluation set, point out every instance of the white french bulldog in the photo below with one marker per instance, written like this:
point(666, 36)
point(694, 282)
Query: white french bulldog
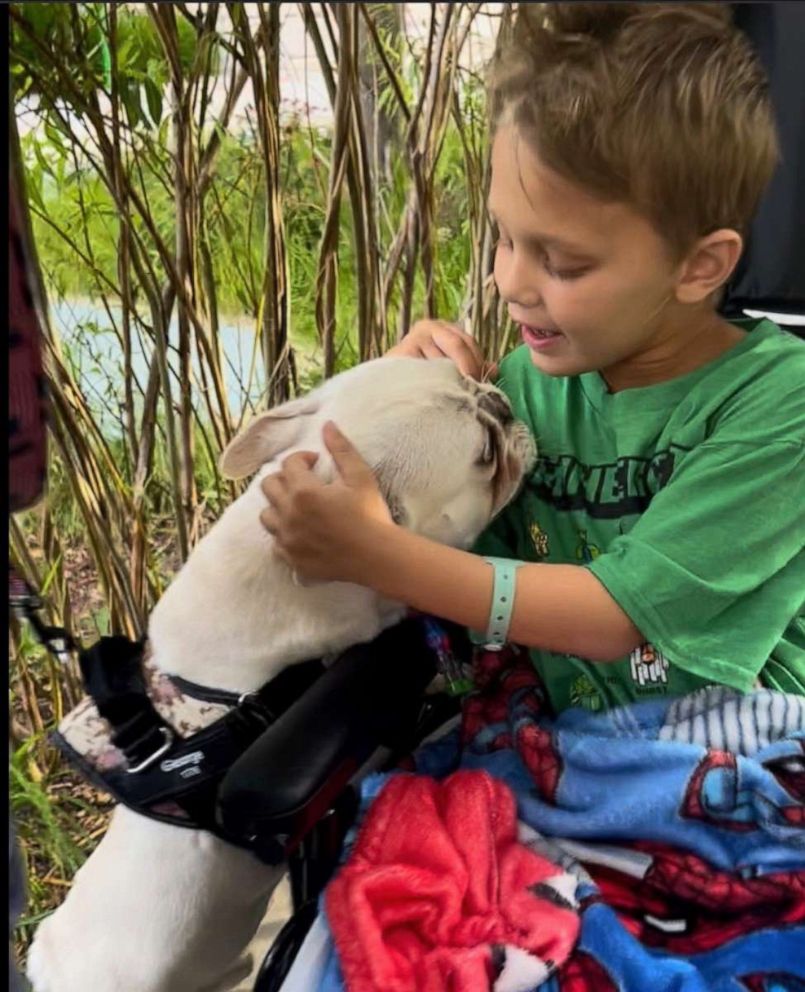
point(161, 908)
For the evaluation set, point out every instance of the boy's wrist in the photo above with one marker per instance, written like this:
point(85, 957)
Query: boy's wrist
point(378, 556)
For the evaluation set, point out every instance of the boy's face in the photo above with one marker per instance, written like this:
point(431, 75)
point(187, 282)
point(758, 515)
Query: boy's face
point(591, 285)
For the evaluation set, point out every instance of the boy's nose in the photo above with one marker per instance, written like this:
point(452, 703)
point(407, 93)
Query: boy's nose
point(517, 286)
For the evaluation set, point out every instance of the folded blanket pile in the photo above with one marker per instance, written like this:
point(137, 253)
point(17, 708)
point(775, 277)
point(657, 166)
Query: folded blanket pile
point(682, 822)
point(439, 894)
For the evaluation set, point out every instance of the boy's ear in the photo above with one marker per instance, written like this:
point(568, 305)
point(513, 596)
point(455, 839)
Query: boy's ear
point(709, 265)
point(267, 436)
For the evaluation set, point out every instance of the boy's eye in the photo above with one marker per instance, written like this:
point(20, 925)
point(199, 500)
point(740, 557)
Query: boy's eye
point(574, 273)
point(568, 272)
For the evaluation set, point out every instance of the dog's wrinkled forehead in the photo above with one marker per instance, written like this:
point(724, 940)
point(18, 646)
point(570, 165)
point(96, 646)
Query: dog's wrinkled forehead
point(384, 406)
point(430, 406)
point(396, 378)
point(386, 385)
point(433, 429)
point(488, 401)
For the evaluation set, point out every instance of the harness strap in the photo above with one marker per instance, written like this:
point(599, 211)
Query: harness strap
point(168, 777)
point(112, 673)
point(274, 697)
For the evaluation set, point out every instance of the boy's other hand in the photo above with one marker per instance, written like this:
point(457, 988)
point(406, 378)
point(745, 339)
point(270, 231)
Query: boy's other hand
point(441, 339)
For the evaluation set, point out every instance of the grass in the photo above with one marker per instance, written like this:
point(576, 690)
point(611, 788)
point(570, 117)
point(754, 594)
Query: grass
point(58, 819)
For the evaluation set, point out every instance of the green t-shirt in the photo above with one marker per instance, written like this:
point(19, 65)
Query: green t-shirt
point(686, 499)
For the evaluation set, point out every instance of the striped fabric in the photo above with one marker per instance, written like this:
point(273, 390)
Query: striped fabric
point(723, 719)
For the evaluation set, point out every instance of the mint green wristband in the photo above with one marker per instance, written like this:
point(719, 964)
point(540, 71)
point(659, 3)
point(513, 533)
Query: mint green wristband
point(500, 613)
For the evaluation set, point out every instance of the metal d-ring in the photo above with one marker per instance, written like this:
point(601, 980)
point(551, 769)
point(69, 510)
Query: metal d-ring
point(163, 749)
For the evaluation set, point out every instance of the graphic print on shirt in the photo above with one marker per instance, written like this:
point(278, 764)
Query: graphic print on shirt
point(648, 666)
point(584, 693)
point(539, 539)
point(585, 551)
point(606, 491)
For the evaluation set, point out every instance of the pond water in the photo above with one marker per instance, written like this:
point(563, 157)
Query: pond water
point(95, 356)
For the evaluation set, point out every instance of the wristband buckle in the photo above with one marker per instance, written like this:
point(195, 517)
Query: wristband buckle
point(503, 590)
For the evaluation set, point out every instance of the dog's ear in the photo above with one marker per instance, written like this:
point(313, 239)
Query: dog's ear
point(266, 436)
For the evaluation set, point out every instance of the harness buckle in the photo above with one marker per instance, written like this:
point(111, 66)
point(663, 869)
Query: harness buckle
point(162, 749)
point(251, 707)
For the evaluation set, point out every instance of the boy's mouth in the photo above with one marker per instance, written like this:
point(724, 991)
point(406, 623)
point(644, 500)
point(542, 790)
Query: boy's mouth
point(539, 338)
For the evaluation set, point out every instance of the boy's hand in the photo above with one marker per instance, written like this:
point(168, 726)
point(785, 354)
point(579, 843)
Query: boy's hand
point(321, 529)
point(440, 339)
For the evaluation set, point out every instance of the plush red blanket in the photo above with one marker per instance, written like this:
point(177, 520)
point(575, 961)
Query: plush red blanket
point(439, 895)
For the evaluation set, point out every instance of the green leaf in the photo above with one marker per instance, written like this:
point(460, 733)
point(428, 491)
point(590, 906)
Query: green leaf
point(101, 620)
point(125, 54)
point(153, 96)
point(41, 161)
point(55, 136)
point(157, 70)
point(130, 96)
point(33, 188)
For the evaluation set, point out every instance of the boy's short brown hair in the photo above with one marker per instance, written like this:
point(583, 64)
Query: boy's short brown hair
point(660, 105)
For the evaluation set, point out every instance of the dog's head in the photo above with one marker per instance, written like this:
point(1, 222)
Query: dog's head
point(446, 450)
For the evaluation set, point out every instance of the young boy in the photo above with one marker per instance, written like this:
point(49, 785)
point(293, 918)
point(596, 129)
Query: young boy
point(663, 525)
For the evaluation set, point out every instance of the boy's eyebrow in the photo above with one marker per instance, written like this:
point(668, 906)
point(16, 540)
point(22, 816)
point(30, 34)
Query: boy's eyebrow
point(547, 240)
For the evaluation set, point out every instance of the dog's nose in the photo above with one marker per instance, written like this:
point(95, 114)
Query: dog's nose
point(496, 406)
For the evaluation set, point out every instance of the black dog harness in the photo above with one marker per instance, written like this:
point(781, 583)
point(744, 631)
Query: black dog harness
point(161, 744)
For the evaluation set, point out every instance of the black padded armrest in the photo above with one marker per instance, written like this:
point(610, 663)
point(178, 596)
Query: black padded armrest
point(370, 697)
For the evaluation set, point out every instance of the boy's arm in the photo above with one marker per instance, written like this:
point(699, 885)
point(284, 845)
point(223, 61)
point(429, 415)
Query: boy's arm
point(561, 608)
point(343, 531)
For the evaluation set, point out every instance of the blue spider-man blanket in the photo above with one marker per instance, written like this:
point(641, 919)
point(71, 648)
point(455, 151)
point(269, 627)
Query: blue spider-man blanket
point(682, 820)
